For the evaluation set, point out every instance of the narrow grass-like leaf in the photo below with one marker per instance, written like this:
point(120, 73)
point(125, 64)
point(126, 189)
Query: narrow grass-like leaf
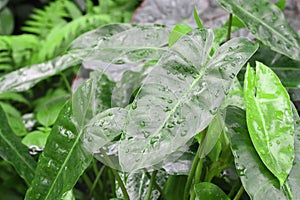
point(62, 162)
point(267, 23)
point(12, 150)
point(178, 31)
point(270, 120)
point(180, 97)
point(209, 191)
point(257, 180)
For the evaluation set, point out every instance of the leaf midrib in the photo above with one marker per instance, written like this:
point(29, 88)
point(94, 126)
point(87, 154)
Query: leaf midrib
point(266, 25)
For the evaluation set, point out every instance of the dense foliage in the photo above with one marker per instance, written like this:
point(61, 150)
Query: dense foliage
point(155, 112)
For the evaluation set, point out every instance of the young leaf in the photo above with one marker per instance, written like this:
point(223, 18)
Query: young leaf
point(267, 23)
point(12, 150)
point(180, 97)
point(178, 31)
point(257, 180)
point(197, 18)
point(270, 120)
point(209, 191)
point(62, 162)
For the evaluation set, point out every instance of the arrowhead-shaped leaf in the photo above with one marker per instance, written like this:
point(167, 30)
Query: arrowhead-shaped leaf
point(267, 22)
point(270, 120)
point(62, 162)
point(180, 97)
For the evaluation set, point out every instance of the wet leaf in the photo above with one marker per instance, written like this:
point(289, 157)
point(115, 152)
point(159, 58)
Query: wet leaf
point(286, 69)
point(267, 23)
point(180, 97)
point(12, 150)
point(62, 162)
point(209, 191)
point(103, 47)
point(270, 120)
point(257, 180)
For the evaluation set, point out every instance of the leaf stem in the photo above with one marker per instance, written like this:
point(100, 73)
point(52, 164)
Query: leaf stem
point(156, 186)
point(239, 193)
point(229, 27)
point(96, 181)
point(66, 82)
point(152, 180)
point(191, 176)
point(197, 177)
point(115, 173)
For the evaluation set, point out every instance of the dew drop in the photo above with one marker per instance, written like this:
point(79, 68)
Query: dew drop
point(154, 140)
point(142, 124)
point(134, 106)
point(167, 109)
point(232, 75)
point(183, 133)
point(170, 125)
point(170, 101)
point(213, 111)
point(146, 134)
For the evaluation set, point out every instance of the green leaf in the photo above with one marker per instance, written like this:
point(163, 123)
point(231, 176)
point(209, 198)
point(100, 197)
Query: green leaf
point(178, 31)
point(116, 43)
point(257, 180)
point(286, 69)
point(209, 191)
point(91, 98)
point(197, 18)
point(235, 96)
point(267, 23)
point(280, 4)
point(3, 4)
point(14, 97)
point(47, 112)
point(12, 150)
point(14, 119)
point(37, 138)
point(180, 97)
point(270, 120)
point(62, 161)
point(6, 21)
point(174, 187)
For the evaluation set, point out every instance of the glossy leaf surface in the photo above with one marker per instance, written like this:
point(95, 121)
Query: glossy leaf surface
point(180, 97)
point(267, 23)
point(115, 43)
point(209, 191)
point(12, 150)
point(270, 120)
point(62, 162)
point(257, 180)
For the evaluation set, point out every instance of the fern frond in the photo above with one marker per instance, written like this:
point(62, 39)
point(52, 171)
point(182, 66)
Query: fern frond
point(16, 51)
point(60, 37)
point(57, 12)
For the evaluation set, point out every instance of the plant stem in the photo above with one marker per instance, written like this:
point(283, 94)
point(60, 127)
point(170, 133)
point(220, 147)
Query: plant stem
point(87, 180)
point(156, 186)
point(189, 181)
point(239, 193)
point(197, 177)
point(96, 181)
point(115, 173)
point(229, 27)
point(152, 180)
point(66, 82)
